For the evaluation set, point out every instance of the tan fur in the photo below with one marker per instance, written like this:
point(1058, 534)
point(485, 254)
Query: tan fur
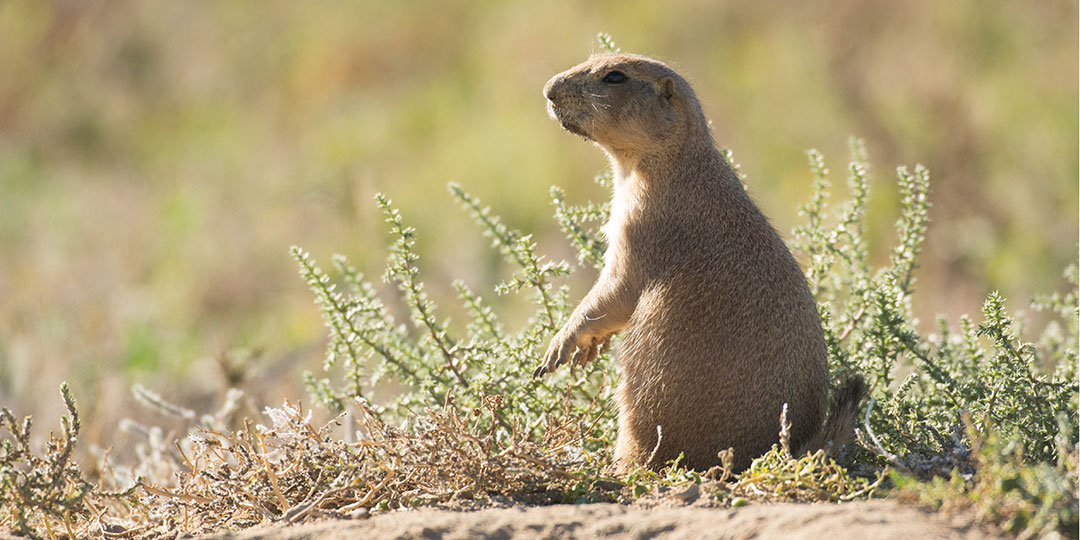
point(720, 327)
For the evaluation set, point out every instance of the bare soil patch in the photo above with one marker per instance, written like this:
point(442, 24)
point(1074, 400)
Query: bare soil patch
point(878, 519)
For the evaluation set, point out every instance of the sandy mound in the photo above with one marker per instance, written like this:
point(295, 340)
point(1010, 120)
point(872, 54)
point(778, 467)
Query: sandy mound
point(879, 520)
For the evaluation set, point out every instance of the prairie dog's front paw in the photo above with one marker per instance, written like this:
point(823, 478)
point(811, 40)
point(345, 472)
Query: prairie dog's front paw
point(562, 346)
point(596, 346)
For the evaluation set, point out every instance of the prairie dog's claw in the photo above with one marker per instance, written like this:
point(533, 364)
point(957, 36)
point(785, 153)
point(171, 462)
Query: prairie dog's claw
point(562, 351)
point(559, 351)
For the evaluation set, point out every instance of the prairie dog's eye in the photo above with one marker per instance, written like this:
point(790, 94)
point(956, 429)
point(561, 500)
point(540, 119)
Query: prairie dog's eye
point(614, 77)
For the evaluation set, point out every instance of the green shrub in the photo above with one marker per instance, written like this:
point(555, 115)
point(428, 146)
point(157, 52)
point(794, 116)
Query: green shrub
point(1025, 498)
point(984, 369)
point(48, 494)
point(435, 364)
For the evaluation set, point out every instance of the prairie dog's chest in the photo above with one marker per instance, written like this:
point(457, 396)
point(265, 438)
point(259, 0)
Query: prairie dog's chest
point(625, 206)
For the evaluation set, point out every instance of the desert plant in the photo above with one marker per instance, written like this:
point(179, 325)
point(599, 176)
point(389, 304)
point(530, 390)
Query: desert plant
point(1030, 500)
point(48, 493)
point(44, 489)
point(984, 369)
point(437, 365)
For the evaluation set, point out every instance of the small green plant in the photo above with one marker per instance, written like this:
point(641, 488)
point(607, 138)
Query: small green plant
point(48, 493)
point(42, 489)
point(1025, 498)
point(606, 42)
point(812, 477)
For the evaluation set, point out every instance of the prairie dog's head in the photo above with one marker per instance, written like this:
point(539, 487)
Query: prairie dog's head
point(630, 105)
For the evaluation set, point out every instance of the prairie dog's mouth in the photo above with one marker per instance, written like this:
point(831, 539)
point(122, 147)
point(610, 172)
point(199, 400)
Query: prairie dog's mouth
point(566, 123)
point(573, 128)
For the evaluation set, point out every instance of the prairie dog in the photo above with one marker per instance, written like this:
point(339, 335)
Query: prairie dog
point(721, 329)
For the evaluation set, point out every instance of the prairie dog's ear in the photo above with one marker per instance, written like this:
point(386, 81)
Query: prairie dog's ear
point(667, 88)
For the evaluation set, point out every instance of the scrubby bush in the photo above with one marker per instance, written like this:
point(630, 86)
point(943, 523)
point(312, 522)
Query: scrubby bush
point(436, 365)
point(921, 383)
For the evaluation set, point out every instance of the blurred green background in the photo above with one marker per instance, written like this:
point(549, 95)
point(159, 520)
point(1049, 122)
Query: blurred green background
point(157, 159)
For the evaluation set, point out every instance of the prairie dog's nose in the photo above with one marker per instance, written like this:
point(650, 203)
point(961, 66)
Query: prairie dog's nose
point(549, 88)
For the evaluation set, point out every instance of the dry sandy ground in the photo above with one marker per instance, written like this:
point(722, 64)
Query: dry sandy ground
point(877, 520)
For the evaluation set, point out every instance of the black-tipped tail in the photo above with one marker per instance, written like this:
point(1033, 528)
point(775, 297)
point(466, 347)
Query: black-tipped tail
point(839, 429)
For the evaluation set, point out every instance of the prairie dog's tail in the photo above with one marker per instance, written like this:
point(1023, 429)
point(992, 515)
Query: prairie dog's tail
point(839, 428)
